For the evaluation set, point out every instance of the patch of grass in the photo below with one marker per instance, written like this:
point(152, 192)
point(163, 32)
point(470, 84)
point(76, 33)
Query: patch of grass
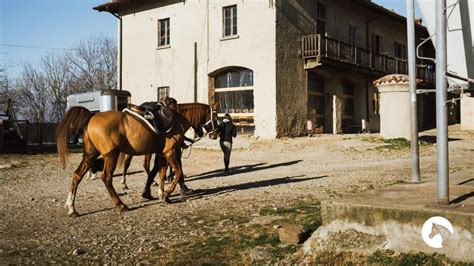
point(382, 256)
point(262, 240)
point(205, 252)
point(281, 252)
point(420, 258)
point(277, 211)
point(232, 245)
point(394, 144)
point(239, 219)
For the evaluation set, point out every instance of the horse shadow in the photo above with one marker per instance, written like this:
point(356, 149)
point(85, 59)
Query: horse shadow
point(199, 193)
point(463, 197)
point(240, 170)
point(129, 173)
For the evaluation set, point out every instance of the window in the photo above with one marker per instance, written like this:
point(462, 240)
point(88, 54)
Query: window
point(400, 50)
point(352, 35)
point(162, 92)
point(321, 11)
point(234, 91)
point(376, 43)
point(163, 32)
point(321, 20)
point(229, 20)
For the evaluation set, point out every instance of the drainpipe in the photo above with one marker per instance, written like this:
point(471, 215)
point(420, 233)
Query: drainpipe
point(195, 73)
point(120, 47)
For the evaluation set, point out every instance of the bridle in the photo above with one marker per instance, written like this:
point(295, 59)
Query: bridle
point(203, 127)
point(211, 121)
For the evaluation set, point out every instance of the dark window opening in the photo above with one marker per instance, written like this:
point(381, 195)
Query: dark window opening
point(163, 32)
point(229, 18)
point(162, 92)
point(236, 77)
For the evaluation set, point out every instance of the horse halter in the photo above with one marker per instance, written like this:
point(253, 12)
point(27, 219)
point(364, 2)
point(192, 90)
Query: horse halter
point(211, 121)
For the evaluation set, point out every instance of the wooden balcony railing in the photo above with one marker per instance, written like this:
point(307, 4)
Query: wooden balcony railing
point(318, 47)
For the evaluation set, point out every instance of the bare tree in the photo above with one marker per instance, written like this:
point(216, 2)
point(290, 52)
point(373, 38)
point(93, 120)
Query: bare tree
point(33, 94)
point(57, 80)
point(5, 83)
point(94, 65)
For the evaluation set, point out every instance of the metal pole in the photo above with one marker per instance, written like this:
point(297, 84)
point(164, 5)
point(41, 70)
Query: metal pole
point(441, 108)
point(195, 73)
point(415, 155)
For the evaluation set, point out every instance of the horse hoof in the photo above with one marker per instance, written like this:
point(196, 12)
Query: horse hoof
point(124, 208)
point(147, 195)
point(73, 214)
point(166, 197)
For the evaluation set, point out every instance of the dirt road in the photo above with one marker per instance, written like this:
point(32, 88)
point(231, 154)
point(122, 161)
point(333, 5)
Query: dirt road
point(230, 219)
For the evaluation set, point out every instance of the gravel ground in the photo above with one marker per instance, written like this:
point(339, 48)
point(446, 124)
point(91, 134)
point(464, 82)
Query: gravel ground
point(34, 226)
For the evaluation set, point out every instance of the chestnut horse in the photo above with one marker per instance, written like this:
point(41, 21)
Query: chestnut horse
point(111, 133)
point(202, 118)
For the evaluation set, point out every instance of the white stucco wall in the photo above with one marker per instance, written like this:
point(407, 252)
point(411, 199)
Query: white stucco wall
point(145, 68)
point(394, 110)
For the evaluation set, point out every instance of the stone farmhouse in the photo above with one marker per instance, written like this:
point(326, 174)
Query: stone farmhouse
point(279, 67)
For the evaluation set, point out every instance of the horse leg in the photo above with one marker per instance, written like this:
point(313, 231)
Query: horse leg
point(110, 162)
point(76, 179)
point(150, 179)
point(146, 163)
point(184, 189)
point(126, 164)
point(172, 160)
point(163, 166)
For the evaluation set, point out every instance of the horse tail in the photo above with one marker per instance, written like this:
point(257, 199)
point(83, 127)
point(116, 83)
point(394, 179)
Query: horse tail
point(73, 122)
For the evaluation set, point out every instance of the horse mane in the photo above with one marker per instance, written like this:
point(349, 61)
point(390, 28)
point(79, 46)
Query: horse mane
point(196, 113)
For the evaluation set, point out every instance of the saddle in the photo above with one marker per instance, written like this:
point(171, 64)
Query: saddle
point(159, 115)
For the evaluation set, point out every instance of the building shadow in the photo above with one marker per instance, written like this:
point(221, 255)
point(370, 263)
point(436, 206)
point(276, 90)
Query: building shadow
point(240, 170)
point(199, 193)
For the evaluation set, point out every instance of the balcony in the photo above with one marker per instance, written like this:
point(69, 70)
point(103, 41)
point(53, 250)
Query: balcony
point(318, 50)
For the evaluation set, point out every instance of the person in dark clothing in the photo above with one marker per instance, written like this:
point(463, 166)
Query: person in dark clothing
point(226, 131)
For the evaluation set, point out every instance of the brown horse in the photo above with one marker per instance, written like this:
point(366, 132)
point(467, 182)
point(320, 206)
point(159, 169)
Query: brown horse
point(111, 133)
point(202, 118)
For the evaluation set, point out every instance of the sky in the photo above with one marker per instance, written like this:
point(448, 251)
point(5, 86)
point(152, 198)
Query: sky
point(53, 26)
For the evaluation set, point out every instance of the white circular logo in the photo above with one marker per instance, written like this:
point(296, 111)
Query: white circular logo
point(435, 229)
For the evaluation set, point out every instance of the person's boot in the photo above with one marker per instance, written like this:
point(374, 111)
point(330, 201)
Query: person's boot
point(226, 164)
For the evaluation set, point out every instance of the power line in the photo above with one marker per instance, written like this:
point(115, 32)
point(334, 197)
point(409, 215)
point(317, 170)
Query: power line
point(35, 47)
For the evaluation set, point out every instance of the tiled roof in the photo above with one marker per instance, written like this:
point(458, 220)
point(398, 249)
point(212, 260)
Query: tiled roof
point(394, 78)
